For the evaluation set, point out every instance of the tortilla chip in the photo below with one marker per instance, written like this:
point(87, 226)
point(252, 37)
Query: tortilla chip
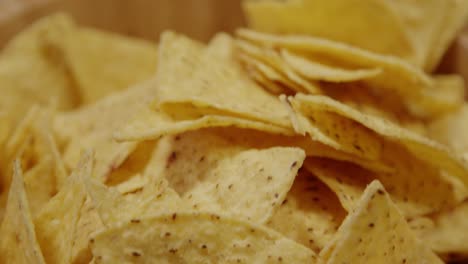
point(153, 124)
point(447, 237)
point(114, 207)
point(88, 223)
point(134, 164)
point(450, 130)
point(56, 223)
point(195, 237)
point(455, 17)
point(334, 131)
point(376, 232)
point(380, 31)
point(102, 63)
point(318, 71)
point(424, 149)
point(93, 127)
point(268, 58)
point(396, 78)
point(416, 189)
point(212, 173)
point(205, 74)
point(18, 242)
point(29, 73)
point(272, 80)
point(310, 214)
point(40, 185)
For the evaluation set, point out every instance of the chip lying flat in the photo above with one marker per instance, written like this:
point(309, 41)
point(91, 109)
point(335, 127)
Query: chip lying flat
point(213, 173)
point(376, 232)
point(184, 237)
point(18, 242)
point(310, 214)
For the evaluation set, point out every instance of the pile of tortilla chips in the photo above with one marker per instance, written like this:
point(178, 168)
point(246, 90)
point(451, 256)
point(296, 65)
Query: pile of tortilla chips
point(318, 135)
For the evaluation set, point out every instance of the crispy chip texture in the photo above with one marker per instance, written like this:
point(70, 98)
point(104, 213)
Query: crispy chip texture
point(56, 224)
point(310, 214)
point(18, 242)
point(376, 232)
point(195, 238)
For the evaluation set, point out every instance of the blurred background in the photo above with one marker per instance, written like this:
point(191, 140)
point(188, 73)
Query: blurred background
point(198, 19)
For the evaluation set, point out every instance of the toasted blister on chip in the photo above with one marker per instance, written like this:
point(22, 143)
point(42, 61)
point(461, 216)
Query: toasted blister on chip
point(101, 63)
point(93, 127)
point(416, 189)
point(310, 214)
point(376, 232)
point(56, 224)
point(179, 236)
point(214, 170)
point(212, 83)
point(18, 242)
point(426, 150)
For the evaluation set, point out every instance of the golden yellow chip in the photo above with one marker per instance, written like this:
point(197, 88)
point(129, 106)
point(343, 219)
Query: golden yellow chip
point(408, 183)
point(376, 232)
point(354, 22)
point(195, 237)
point(269, 59)
point(93, 127)
point(18, 242)
point(447, 236)
point(213, 173)
point(310, 214)
point(450, 130)
point(56, 224)
point(30, 74)
point(413, 88)
point(212, 84)
point(102, 63)
point(426, 150)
